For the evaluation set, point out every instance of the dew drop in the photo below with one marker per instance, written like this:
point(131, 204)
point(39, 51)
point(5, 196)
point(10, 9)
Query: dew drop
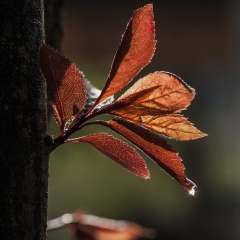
point(191, 187)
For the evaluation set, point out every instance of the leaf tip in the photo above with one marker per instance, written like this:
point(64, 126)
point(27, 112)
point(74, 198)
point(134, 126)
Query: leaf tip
point(203, 135)
point(148, 6)
point(197, 134)
point(146, 174)
point(191, 187)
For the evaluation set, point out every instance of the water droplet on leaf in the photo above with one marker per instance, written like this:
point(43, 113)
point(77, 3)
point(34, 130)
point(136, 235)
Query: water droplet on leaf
point(191, 187)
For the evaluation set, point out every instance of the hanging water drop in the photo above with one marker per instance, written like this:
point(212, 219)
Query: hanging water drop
point(191, 187)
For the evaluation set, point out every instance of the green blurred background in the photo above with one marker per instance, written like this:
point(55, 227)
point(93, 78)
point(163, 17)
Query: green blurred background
point(200, 42)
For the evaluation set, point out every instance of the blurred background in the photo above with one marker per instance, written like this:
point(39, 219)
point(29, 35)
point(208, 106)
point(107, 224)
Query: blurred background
point(200, 42)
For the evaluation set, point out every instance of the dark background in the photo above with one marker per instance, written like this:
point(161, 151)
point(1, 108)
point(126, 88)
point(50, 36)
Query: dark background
point(198, 41)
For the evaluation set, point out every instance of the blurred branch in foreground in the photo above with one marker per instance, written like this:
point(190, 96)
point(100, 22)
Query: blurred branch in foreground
point(89, 227)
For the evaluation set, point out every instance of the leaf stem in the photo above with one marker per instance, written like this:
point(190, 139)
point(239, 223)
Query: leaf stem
point(79, 124)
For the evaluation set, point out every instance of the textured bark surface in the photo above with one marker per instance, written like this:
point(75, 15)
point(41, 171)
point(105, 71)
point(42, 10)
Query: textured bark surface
point(24, 158)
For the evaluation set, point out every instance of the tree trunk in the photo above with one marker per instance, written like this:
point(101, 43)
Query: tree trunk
point(24, 158)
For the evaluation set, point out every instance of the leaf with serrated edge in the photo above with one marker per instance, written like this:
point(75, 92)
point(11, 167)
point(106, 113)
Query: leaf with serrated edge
point(118, 151)
point(55, 113)
point(170, 95)
point(154, 146)
point(170, 125)
point(152, 103)
point(64, 82)
point(135, 51)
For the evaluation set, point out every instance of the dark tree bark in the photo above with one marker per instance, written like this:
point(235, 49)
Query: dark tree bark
point(24, 158)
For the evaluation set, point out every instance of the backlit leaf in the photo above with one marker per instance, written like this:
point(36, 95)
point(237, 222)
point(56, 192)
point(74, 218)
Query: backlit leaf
point(84, 226)
point(170, 125)
point(153, 102)
point(64, 82)
point(118, 151)
point(55, 113)
point(168, 94)
point(135, 51)
point(89, 227)
point(156, 148)
point(148, 110)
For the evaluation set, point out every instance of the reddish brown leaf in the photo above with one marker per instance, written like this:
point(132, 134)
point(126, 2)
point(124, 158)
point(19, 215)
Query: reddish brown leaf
point(170, 125)
point(89, 227)
point(167, 93)
point(156, 148)
point(118, 151)
point(64, 82)
point(135, 51)
point(55, 113)
point(152, 102)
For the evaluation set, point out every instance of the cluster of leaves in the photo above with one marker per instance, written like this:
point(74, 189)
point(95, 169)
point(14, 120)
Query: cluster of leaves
point(89, 227)
point(144, 114)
